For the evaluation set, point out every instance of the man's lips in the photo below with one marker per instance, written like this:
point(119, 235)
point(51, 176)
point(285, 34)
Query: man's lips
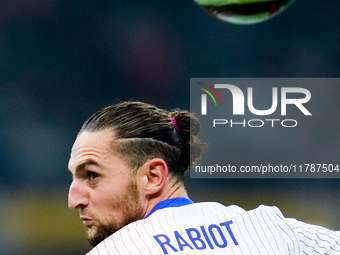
point(86, 220)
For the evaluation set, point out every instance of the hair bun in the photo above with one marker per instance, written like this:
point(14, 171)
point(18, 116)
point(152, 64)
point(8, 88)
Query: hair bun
point(189, 126)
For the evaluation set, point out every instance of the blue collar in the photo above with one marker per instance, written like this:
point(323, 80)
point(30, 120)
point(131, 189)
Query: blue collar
point(172, 202)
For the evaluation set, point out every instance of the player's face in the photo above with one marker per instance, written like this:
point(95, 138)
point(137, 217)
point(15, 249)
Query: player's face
point(103, 188)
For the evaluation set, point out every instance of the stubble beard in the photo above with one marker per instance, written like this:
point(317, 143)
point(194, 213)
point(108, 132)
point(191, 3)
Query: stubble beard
point(129, 204)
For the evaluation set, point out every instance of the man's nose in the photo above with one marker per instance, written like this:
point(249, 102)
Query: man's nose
point(77, 197)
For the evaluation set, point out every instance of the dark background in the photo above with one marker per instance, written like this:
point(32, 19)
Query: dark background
point(62, 60)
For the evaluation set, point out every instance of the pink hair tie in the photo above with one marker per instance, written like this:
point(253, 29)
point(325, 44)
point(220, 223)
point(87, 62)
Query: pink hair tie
point(175, 123)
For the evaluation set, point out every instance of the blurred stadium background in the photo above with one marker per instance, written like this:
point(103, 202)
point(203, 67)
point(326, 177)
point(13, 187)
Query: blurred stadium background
point(62, 60)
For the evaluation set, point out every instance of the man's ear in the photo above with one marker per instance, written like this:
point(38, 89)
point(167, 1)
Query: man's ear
point(154, 173)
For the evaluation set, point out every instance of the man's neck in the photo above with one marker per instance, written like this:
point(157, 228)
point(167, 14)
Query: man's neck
point(173, 191)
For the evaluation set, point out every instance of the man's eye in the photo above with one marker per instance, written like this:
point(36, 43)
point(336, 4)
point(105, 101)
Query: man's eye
point(93, 175)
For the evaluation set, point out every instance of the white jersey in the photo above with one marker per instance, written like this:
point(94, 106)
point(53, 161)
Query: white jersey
point(211, 228)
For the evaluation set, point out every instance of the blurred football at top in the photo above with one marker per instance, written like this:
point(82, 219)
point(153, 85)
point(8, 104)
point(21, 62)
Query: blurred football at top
point(245, 12)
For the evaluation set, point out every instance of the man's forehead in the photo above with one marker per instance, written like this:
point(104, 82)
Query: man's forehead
point(86, 141)
point(95, 138)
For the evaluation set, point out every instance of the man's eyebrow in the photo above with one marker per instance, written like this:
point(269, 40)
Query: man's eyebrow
point(81, 166)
